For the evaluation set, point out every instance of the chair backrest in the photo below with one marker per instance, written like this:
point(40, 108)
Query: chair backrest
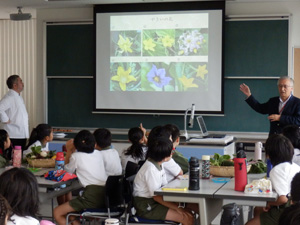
point(114, 191)
point(131, 169)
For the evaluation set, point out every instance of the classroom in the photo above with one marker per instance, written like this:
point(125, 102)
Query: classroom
point(52, 96)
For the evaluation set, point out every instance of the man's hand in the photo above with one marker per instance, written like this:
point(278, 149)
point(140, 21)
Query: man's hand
point(274, 117)
point(245, 89)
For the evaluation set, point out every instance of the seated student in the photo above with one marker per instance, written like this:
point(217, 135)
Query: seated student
point(292, 132)
point(280, 151)
point(5, 210)
point(137, 151)
point(89, 167)
point(151, 177)
point(177, 156)
point(172, 169)
point(40, 136)
point(111, 158)
point(291, 214)
point(20, 188)
point(4, 144)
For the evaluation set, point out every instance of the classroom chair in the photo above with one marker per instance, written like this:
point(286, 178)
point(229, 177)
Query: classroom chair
point(114, 201)
point(130, 217)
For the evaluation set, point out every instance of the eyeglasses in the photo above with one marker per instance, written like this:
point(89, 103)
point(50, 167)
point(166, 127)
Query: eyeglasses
point(284, 86)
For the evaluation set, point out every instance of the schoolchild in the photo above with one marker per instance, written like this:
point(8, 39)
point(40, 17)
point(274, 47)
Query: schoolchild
point(137, 151)
point(177, 156)
point(5, 210)
point(280, 151)
point(89, 167)
point(40, 136)
point(151, 177)
point(111, 158)
point(292, 132)
point(291, 215)
point(4, 144)
point(172, 169)
point(20, 188)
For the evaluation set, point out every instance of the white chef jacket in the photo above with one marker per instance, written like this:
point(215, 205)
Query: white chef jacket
point(12, 107)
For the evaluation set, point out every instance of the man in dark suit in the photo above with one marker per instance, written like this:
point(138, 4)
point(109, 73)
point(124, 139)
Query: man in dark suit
point(283, 110)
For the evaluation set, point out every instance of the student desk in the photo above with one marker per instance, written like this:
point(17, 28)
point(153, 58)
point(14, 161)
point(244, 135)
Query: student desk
point(212, 196)
point(209, 207)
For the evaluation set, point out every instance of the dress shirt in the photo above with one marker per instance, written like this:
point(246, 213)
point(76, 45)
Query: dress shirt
point(12, 108)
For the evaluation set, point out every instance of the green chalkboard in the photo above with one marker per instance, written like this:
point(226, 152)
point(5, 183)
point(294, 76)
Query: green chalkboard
point(256, 48)
point(70, 101)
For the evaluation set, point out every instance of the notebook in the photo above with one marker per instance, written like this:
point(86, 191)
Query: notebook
point(203, 129)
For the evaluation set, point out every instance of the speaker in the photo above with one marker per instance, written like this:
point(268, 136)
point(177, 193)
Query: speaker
point(20, 16)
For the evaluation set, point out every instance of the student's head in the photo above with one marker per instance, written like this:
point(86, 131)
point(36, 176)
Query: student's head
point(84, 141)
point(295, 192)
point(5, 210)
point(292, 132)
point(135, 136)
point(20, 188)
point(15, 82)
point(103, 138)
point(285, 86)
point(175, 132)
point(291, 215)
point(157, 132)
point(279, 149)
point(4, 140)
point(160, 149)
point(43, 133)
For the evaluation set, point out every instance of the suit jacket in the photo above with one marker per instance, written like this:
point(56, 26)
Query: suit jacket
point(289, 115)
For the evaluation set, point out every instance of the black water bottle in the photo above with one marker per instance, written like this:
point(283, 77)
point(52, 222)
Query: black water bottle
point(194, 172)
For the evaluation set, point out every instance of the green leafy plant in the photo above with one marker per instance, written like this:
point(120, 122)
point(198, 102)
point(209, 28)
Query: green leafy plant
point(37, 153)
point(220, 160)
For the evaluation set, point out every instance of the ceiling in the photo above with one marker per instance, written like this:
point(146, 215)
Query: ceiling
point(34, 4)
point(29, 6)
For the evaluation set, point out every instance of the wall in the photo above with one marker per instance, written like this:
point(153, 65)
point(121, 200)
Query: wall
point(232, 8)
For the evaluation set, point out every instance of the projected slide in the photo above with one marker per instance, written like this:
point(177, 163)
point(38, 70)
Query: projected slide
point(159, 52)
point(158, 61)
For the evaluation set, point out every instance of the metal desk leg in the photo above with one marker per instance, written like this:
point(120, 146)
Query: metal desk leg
point(209, 208)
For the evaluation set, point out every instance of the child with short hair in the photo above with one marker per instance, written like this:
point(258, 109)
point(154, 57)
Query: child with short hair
point(20, 188)
point(280, 151)
point(40, 136)
point(111, 158)
point(151, 177)
point(291, 215)
point(177, 156)
point(292, 132)
point(4, 144)
point(137, 151)
point(5, 210)
point(171, 168)
point(89, 167)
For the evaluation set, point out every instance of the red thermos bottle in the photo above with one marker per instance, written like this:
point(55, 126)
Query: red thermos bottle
point(240, 171)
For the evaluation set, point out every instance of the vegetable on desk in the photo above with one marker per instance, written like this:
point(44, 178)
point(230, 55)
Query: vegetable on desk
point(257, 166)
point(221, 160)
point(37, 153)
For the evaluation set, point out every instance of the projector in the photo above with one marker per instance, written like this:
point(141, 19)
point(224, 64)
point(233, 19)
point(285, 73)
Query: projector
point(20, 16)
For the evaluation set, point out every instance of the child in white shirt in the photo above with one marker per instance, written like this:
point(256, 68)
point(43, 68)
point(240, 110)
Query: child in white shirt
point(111, 158)
point(280, 151)
point(151, 177)
point(137, 151)
point(89, 166)
point(40, 136)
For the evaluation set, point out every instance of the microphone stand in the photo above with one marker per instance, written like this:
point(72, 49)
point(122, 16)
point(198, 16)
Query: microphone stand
point(185, 134)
